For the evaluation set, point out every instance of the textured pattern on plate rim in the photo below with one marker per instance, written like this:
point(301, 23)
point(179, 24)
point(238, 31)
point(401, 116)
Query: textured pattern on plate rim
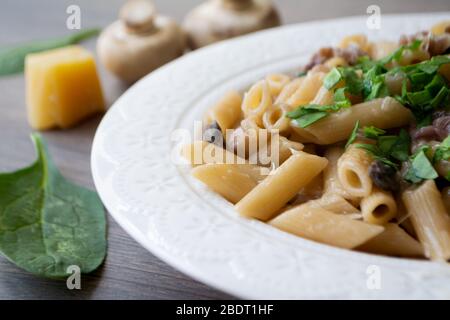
point(193, 229)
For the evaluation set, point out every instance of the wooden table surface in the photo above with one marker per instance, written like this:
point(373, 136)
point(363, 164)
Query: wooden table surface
point(129, 272)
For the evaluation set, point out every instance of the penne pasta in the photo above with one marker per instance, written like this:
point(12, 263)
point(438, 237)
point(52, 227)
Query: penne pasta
point(277, 82)
point(325, 226)
point(441, 27)
point(379, 207)
point(231, 181)
point(323, 97)
point(393, 241)
point(335, 62)
point(202, 152)
point(358, 40)
point(287, 148)
point(381, 49)
point(446, 198)
point(227, 112)
point(383, 113)
point(277, 189)
point(275, 118)
point(353, 172)
point(332, 185)
point(289, 89)
point(336, 204)
point(257, 100)
point(307, 90)
point(430, 219)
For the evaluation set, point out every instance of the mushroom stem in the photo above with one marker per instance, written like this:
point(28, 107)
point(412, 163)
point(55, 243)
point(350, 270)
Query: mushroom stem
point(138, 16)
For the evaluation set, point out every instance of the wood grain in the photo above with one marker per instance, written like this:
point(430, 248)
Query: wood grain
point(130, 272)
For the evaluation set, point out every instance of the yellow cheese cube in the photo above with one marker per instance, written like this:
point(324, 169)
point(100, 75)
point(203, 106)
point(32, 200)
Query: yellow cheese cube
point(63, 87)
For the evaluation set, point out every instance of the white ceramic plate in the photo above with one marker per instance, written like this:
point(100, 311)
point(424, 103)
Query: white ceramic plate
point(196, 231)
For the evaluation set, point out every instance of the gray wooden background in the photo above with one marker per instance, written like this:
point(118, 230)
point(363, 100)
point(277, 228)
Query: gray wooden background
point(130, 272)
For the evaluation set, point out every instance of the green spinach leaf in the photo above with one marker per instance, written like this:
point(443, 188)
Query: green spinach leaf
point(47, 223)
point(12, 59)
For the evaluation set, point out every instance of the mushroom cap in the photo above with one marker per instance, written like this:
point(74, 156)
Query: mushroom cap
point(132, 55)
point(217, 20)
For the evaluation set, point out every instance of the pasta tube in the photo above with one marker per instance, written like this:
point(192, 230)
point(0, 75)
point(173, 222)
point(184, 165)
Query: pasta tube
point(277, 82)
point(231, 181)
point(307, 90)
point(332, 185)
point(257, 100)
point(275, 118)
point(325, 226)
point(430, 219)
point(323, 97)
point(393, 241)
point(202, 152)
point(359, 40)
point(334, 203)
point(379, 207)
point(383, 113)
point(268, 197)
point(446, 198)
point(227, 112)
point(353, 172)
point(289, 90)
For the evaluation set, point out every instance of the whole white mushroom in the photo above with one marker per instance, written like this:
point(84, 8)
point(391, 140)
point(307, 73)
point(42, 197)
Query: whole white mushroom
point(139, 42)
point(217, 20)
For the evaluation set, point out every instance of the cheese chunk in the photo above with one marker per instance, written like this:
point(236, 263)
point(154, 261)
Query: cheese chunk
point(63, 87)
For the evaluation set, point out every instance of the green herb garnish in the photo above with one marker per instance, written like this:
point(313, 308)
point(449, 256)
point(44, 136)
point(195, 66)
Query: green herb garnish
point(304, 116)
point(420, 169)
point(332, 78)
point(340, 98)
point(389, 149)
point(47, 223)
point(372, 132)
point(12, 59)
point(443, 151)
point(353, 135)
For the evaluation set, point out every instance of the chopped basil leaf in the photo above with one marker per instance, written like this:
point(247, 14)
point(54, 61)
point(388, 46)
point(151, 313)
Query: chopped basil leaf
point(400, 150)
point(428, 68)
point(353, 135)
point(420, 78)
point(353, 82)
point(341, 99)
point(309, 118)
point(388, 148)
point(386, 143)
point(443, 151)
point(421, 168)
point(332, 79)
point(419, 98)
point(435, 84)
point(425, 121)
point(304, 116)
point(371, 148)
point(373, 132)
point(439, 98)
